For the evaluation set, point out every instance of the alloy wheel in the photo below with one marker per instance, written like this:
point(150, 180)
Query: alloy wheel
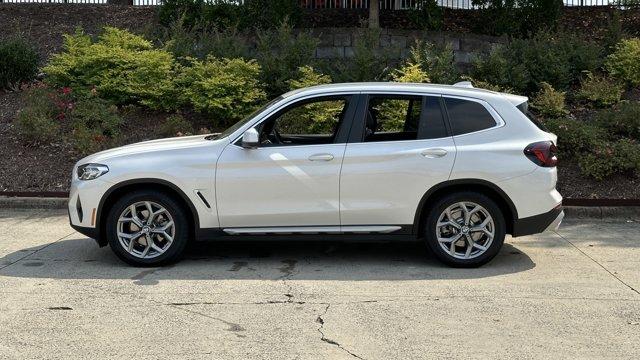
point(145, 229)
point(465, 230)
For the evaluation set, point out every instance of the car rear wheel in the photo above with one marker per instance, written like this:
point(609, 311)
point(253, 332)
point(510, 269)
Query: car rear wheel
point(465, 229)
point(147, 228)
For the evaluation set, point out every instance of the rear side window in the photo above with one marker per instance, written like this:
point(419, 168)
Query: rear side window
point(524, 108)
point(467, 116)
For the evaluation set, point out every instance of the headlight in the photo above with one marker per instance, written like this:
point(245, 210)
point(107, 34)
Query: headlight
point(91, 171)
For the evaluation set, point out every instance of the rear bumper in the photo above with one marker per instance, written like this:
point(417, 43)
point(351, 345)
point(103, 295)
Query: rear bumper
point(548, 221)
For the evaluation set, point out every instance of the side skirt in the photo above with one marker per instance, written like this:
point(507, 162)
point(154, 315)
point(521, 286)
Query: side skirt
point(358, 233)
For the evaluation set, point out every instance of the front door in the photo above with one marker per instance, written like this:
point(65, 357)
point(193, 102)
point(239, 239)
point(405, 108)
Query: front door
point(292, 178)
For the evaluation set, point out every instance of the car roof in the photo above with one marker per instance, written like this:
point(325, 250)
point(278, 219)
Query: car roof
point(459, 90)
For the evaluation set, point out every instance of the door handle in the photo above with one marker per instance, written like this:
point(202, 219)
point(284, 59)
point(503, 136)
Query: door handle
point(433, 153)
point(321, 157)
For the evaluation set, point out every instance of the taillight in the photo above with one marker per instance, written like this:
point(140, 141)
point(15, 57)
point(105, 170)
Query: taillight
point(542, 153)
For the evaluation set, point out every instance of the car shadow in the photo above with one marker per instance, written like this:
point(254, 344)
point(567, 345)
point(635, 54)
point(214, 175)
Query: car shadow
point(80, 258)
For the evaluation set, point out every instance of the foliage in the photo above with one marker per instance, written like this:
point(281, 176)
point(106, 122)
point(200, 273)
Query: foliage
point(516, 17)
point(623, 120)
point(227, 89)
point(280, 54)
point(262, 14)
point(40, 119)
point(555, 58)
point(316, 117)
point(200, 41)
point(18, 62)
point(308, 77)
point(176, 125)
point(368, 62)
point(90, 122)
point(122, 67)
point(608, 158)
point(95, 124)
point(427, 14)
point(549, 102)
point(600, 90)
point(624, 62)
point(437, 61)
point(575, 137)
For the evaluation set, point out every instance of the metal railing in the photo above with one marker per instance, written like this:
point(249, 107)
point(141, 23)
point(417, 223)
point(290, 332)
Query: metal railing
point(338, 4)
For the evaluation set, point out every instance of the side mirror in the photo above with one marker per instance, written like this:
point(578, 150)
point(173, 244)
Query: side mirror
point(250, 139)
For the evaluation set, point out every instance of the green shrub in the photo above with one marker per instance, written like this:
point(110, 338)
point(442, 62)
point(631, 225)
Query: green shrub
point(437, 61)
point(280, 53)
point(369, 62)
point(200, 41)
point(262, 14)
point(519, 18)
point(308, 77)
point(95, 124)
point(18, 62)
point(609, 158)
point(227, 89)
point(36, 126)
point(623, 120)
point(549, 102)
point(40, 118)
point(427, 14)
point(576, 137)
point(176, 125)
point(624, 62)
point(122, 67)
point(555, 58)
point(495, 69)
point(600, 90)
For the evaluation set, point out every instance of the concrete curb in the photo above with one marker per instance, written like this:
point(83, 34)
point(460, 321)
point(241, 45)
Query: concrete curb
point(32, 203)
point(571, 212)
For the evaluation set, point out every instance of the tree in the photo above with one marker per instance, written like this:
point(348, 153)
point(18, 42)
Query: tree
point(374, 14)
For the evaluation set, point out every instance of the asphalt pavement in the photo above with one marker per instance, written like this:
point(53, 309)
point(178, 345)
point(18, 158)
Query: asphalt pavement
point(569, 294)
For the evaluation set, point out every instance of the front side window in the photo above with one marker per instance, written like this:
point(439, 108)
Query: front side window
point(468, 116)
point(307, 123)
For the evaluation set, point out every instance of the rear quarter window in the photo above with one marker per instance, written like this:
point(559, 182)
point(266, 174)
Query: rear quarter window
point(467, 116)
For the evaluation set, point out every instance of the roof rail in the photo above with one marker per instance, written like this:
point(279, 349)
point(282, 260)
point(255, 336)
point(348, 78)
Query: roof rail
point(465, 84)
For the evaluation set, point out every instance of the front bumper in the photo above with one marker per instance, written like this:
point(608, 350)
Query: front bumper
point(536, 224)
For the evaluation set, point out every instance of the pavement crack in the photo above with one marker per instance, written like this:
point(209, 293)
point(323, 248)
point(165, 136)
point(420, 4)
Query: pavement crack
point(599, 264)
point(320, 320)
point(34, 252)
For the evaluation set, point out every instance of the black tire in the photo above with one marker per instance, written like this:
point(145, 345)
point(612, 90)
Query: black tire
point(441, 205)
point(177, 212)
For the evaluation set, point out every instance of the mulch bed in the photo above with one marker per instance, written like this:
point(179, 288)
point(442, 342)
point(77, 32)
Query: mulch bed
point(47, 167)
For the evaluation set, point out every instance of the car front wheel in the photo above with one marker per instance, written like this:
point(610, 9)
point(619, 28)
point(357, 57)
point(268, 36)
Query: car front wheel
point(465, 229)
point(147, 228)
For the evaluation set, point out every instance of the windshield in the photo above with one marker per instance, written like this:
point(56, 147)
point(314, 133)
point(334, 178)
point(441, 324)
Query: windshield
point(250, 117)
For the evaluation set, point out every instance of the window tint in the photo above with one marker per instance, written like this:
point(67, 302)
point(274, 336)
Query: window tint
point(312, 122)
point(432, 125)
point(392, 118)
point(467, 116)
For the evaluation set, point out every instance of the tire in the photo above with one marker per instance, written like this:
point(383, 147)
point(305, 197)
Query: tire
point(168, 224)
point(459, 253)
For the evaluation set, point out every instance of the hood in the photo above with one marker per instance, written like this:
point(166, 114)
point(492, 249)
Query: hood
point(183, 142)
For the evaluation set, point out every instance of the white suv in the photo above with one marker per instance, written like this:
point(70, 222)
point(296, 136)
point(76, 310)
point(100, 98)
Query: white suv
point(454, 166)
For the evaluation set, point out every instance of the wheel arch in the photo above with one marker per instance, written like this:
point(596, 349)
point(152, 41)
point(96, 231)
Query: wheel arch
point(116, 191)
point(481, 186)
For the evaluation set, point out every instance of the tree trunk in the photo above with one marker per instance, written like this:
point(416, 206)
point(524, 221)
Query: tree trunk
point(374, 14)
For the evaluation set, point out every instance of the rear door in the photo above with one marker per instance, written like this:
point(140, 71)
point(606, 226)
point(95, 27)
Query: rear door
point(399, 148)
